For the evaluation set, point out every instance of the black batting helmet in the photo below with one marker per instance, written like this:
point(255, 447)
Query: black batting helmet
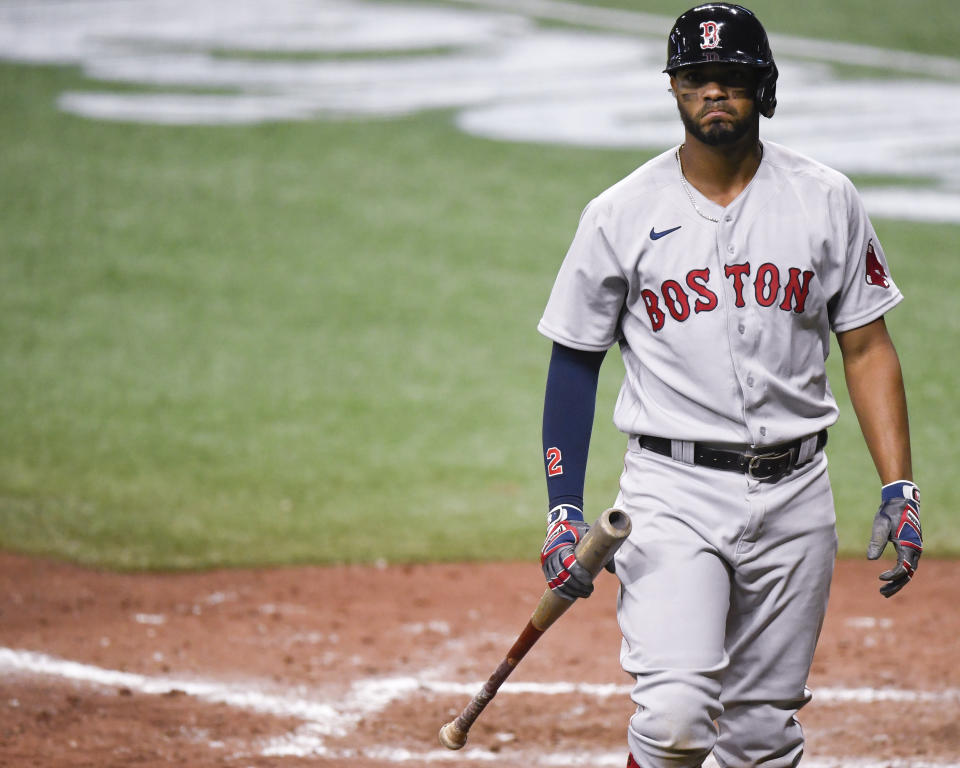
point(725, 33)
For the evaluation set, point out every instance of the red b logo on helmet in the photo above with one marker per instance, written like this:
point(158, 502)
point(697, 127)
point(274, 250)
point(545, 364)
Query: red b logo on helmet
point(876, 274)
point(710, 32)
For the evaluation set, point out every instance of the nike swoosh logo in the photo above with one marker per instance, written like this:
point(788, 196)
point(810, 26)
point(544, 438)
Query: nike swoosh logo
point(654, 235)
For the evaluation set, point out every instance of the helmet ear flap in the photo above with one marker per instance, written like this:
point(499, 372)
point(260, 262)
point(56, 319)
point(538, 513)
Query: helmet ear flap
point(767, 91)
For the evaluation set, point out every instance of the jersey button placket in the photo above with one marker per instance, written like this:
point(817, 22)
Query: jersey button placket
point(748, 348)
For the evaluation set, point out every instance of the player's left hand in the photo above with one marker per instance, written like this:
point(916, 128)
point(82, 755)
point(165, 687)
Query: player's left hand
point(898, 520)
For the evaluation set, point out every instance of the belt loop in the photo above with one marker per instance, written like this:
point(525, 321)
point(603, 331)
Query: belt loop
point(808, 447)
point(682, 451)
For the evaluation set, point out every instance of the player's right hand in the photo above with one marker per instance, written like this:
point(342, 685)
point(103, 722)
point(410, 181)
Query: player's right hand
point(898, 520)
point(564, 575)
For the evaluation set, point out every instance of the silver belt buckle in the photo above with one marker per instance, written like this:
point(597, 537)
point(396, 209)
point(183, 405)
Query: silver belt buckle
point(754, 460)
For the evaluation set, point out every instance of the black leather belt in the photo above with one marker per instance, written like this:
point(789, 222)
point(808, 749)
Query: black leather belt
point(768, 464)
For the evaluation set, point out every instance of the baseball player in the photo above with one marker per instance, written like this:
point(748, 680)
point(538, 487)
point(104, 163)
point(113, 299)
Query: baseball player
point(720, 269)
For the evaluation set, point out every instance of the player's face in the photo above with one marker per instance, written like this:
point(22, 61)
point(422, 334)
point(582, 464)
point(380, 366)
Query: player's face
point(716, 101)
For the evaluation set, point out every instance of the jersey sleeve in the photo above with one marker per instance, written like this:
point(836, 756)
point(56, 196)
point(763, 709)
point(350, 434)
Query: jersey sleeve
point(867, 291)
point(583, 311)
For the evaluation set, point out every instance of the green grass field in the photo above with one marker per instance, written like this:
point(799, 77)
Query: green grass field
point(315, 342)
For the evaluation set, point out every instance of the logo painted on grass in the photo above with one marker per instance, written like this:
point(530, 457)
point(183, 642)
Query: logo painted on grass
point(507, 77)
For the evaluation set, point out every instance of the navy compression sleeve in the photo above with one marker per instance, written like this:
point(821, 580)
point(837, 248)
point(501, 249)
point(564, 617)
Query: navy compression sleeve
point(568, 410)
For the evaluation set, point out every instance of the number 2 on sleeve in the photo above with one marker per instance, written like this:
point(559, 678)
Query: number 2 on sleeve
point(554, 467)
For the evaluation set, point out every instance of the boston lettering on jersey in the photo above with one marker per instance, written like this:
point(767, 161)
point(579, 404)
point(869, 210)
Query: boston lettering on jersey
point(766, 286)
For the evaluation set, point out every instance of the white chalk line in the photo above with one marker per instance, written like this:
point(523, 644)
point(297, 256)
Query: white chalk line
point(622, 20)
point(338, 715)
point(829, 695)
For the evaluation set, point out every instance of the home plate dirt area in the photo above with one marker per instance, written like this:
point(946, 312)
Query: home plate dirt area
point(360, 666)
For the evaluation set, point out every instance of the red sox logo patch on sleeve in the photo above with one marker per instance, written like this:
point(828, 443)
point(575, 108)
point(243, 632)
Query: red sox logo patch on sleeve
point(710, 34)
point(876, 274)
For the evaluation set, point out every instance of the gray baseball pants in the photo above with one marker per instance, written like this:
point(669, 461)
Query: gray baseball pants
point(724, 586)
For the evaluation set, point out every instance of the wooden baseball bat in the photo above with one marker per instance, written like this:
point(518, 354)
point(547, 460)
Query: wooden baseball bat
point(595, 548)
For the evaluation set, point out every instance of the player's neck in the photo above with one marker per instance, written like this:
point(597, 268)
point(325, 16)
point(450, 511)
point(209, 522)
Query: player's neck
point(720, 173)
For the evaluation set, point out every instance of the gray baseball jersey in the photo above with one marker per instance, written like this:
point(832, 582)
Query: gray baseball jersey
point(723, 325)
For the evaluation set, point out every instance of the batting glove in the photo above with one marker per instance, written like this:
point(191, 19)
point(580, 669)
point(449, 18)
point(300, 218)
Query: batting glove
point(898, 520)
point(565, 576)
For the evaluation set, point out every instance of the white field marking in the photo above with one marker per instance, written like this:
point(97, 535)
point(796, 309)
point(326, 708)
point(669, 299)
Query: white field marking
point(593, 690)
point(579, 759)
point(875, 695)
point(310, 638)
point(860, 762)
point(618, 758)
point(216, 598)
point(506, 77)
point(332, 721)
point(792, 45)
point(339, 716)
point(272, 609)
point(149, 618)
point(418, 628)
point(868, 622)
point(826, 695)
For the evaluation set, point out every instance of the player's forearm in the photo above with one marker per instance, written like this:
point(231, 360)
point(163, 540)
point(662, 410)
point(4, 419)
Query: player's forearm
point(568, 409)
point(875, 383)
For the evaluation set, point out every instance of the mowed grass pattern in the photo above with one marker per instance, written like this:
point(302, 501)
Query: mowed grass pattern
point(315, 342)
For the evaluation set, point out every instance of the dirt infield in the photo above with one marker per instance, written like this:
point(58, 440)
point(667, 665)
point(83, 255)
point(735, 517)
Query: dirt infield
point(358, 667)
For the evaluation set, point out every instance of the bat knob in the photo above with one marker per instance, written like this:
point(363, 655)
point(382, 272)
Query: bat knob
point(452, 737)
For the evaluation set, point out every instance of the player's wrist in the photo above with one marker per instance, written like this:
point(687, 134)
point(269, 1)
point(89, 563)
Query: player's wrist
point(564, 512)
point(565, 528)
point(900, 489)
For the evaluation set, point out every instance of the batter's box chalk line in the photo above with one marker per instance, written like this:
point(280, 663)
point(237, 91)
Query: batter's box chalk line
point(338, 716)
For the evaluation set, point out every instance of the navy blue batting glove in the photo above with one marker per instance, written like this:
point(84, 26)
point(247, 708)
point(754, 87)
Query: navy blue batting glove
point(564, 575)
point(898, 520)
